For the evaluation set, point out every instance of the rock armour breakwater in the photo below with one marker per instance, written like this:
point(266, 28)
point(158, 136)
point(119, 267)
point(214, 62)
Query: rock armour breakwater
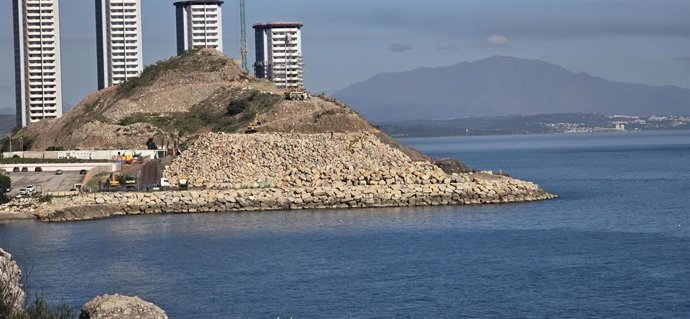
point(465, 189)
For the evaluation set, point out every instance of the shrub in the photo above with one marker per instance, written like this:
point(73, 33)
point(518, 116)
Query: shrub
point(150, 144)
point(55, 148)
point(5, 184)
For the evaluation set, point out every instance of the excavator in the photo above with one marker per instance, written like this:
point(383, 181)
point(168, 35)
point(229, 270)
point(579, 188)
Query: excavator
point(253, 126)
point(296, 94)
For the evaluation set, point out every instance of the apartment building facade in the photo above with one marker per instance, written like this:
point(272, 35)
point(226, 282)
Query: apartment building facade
point(118, 41)
point(279, 53)
point(38, 82)
point(199, 24)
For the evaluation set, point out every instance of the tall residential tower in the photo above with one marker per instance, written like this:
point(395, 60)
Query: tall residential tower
point(37, 60)
point(279, 53)
point(118, 41)
point(199, 25)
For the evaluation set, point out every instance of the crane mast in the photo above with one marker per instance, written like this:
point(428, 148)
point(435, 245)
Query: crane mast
point(243, 35)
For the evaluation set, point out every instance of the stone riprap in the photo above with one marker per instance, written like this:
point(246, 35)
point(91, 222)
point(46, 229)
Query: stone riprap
point(243, 161)
point(120, 307)
point(465, 189)
point(19, 208)
point(11, 288)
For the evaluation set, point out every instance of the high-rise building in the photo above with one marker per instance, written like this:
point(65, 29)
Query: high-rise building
point(199, 25)
point(37, 60)
point(279, 53)
point(118, 41)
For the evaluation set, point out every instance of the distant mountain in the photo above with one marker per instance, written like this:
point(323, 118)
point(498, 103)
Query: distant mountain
point(7, 111)
point(504, 86)
point(7, 123)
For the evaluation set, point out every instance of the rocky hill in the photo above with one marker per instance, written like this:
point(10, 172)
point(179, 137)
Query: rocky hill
point(499, 86)
point(176, 100)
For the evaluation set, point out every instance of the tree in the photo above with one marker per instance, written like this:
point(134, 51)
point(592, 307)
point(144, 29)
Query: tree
point(5, 184)
point(150, 144)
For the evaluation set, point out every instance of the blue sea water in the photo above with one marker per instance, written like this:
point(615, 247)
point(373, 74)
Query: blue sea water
point(615, 245)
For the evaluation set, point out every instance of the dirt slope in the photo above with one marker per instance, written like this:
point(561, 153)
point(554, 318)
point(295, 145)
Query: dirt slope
point(176, 100)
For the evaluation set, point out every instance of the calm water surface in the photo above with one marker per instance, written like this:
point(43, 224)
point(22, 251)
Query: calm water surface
point(616, 245)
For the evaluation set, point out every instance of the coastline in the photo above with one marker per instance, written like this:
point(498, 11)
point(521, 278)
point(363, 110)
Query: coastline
point(464, 189)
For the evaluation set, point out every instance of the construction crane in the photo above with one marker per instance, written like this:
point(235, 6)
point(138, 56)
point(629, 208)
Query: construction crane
point(243, 35)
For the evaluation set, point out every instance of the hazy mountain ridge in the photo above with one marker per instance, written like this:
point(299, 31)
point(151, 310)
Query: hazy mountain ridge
point(7, 123)
point(505, 86)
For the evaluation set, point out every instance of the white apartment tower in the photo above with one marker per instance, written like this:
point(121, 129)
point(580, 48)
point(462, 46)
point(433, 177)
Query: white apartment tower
point(199, 25)
point(279, 53)
point(118, 41)
point(37, 60)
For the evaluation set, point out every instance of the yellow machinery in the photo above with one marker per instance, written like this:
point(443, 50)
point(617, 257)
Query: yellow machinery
point(253, 127)
point(299, 94)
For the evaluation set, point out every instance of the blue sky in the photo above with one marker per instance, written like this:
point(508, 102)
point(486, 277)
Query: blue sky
point(641, 41)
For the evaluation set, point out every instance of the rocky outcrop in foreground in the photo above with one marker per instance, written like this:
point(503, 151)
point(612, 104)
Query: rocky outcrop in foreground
point(12, 297)
point(11, 290)
point(120, 307)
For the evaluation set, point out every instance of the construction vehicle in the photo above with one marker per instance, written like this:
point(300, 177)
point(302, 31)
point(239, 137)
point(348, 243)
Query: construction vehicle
point(113, 183)
point(183, 184)
point(253, 127)
point(298, 94)
point(128, 159)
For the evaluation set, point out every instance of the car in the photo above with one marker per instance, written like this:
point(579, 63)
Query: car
point(82, 172)
point(38, 169)
point(23, 192)
point(58, 172)
point(25, 169)
point(30, 188)
point(15, 170)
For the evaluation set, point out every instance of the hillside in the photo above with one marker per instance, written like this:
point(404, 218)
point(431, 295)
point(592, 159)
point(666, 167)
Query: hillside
point(184, 96)
point(176, 100)
point(505, 86)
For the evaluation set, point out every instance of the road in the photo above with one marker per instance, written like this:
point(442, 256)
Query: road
point(48, 181)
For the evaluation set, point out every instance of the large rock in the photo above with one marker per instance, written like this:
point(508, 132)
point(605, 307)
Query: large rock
point(10, 285)
point(120, 307)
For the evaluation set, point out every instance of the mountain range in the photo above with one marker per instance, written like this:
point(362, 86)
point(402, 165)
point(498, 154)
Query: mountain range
point(502, 85)
point(7, 123)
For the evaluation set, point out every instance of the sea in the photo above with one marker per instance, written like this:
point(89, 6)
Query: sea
point(616, 244)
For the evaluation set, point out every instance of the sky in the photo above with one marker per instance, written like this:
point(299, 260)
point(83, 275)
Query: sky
point(347, 41)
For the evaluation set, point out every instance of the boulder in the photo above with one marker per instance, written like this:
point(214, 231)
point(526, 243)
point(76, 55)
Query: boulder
point(10, 285)
point(120, 307)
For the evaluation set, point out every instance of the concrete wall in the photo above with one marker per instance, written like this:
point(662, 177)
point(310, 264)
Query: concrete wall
point(70, 167)
point(85, 154)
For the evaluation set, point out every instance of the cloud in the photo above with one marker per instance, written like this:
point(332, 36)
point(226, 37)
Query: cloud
point(400, 47)
point(496, 40)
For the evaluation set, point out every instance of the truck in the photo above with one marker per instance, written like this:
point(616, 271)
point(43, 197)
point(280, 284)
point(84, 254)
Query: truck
point(298, 94)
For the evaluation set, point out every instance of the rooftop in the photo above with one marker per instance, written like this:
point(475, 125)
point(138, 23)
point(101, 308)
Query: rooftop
point(191, 2)
point(278, 24)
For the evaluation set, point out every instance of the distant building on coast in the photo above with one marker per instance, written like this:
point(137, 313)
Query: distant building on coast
point(37, 60)
point(279, 53)
point(199, 25)
point(118, 41)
